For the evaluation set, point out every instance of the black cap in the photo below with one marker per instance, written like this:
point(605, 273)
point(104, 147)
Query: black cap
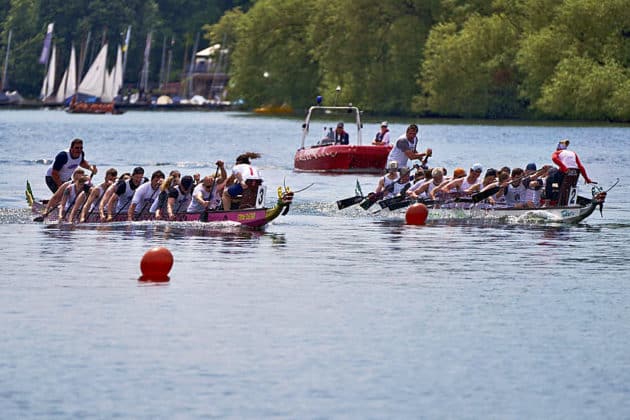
point(186, 181)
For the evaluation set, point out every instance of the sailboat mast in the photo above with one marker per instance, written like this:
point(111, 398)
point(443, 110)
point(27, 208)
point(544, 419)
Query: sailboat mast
point(192, 66)
point(126, 50)
point(163, 64)
point(83, 55)
point(170, 59)
point(6, 61)
point(144, 79)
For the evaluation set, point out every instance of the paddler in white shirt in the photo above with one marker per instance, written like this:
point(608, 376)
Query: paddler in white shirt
point(144, 196)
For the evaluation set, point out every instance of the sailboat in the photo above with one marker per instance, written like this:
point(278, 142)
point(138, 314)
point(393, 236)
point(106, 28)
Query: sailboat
point(68, 85)
point(7, 97)
point(48, 86)
point(99, 87)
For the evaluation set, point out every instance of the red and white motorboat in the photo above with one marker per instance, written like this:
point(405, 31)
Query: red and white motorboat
point(329, 157)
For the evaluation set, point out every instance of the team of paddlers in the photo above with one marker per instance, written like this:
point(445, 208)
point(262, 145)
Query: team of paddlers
point(77, 199)
point(505, 187)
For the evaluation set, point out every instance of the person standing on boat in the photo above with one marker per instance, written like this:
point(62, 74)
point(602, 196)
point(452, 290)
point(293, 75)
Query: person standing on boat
point(245, 179)
point(382, 136)
point(570, 166)
point(405, 148)
point(341, 136)
point(123, 194)
point(144, 196)
point(65, 163)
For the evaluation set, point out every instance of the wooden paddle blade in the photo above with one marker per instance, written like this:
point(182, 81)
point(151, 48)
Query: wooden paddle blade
point(38, 219)
point(480, 196)
point(351, 201)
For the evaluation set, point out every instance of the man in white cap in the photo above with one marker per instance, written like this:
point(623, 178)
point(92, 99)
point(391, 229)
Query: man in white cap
point(570, 166)
point(385, 182)
point(382, 136)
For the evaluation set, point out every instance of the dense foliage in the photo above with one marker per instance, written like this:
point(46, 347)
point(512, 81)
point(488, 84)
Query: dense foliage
point(467, 58)
point(178, 20)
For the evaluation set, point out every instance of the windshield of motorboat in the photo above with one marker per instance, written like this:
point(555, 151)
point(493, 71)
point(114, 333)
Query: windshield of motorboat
point(325, 126)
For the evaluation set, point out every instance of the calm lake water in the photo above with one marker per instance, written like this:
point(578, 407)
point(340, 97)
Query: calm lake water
point(325, 313)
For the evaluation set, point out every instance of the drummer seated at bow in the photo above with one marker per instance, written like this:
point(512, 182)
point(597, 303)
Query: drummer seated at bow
point(244, 181)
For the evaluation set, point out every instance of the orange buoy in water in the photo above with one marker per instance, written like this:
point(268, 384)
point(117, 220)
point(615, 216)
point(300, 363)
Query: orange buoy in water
point(156, 264)
point(416, 214)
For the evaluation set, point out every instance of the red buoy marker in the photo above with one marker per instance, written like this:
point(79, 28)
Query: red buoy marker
point(416, 214)
point(156, 264)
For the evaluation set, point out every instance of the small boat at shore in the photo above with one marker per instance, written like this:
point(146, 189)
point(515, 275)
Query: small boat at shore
point(329, 157)
point(254, 217)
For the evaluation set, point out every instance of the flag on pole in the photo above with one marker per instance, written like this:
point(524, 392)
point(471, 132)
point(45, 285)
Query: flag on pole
point(43, 58)
point(127, 36)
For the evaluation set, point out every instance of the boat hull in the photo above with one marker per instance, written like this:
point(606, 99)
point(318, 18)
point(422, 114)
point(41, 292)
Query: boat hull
point(93, 108)
point(465, 212)
point(342, 159)
point(252, 218)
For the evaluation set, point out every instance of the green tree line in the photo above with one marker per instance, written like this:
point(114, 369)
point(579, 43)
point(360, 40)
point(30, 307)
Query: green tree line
point(546, 59)
point(105, 21)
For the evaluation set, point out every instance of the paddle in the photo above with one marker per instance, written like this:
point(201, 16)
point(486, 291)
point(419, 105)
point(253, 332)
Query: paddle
point(121, 209)
point(374, 197)
point(350, 201)
point(482, 195)
point(43, 216)
point(214, 183)
point(408, 202)
point(401, 196)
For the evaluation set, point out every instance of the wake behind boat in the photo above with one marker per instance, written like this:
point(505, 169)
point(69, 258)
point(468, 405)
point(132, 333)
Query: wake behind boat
point(329, 155)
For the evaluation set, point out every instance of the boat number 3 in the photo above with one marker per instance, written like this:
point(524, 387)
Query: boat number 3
point(260, 198)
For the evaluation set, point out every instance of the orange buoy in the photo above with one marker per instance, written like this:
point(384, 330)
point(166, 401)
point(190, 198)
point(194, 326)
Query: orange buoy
point(156, 264)
point(416, 214)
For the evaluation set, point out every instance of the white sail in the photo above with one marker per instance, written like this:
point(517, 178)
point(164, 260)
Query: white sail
point(107, 91)
point(114, 80)
point(94, 81)
point(61, 92)
point(48, 87)
point(71, 86)
point(68, 83)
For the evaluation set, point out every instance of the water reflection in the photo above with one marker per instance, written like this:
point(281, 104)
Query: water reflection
point(233, 238)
